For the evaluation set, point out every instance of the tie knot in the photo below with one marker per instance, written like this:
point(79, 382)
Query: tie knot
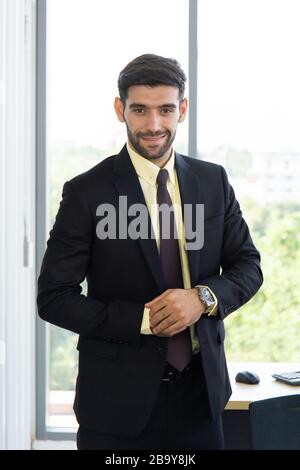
point(162, 177)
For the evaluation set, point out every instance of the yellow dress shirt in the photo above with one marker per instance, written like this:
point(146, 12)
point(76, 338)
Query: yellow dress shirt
point(147, 173)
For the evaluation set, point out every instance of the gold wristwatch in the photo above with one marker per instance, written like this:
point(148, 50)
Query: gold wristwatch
point(206, 298)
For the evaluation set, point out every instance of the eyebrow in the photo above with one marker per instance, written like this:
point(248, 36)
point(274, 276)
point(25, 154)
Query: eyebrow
point(140, 105)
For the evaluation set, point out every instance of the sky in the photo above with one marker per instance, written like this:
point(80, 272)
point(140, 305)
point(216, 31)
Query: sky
point(248, 68)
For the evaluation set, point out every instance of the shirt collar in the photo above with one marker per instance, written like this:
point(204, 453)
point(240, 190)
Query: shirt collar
point(147, 170)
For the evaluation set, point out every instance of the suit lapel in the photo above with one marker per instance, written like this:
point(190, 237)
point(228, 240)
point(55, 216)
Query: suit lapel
point(127, 184)
point(190, 194)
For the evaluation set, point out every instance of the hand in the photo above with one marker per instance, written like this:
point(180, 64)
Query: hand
point(174, 310)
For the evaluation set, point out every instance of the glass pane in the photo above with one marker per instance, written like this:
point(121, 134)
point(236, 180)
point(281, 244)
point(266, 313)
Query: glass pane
point(89, 42)
point(249, 102)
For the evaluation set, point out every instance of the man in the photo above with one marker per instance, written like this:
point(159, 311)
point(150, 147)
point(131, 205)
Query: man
point(152, 369)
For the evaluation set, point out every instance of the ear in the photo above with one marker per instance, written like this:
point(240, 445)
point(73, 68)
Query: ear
point(183, 107)
point(119, 108)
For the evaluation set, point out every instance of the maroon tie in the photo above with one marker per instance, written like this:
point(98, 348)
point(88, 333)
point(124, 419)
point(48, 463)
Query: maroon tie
point(179, 351)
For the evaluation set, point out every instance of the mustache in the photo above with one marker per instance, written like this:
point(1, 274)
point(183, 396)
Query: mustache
point(153, 134)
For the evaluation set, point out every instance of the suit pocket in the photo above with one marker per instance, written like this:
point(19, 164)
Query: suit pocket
point(98, 347)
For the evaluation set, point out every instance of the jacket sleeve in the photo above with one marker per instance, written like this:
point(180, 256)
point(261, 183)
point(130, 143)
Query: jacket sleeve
point(64, 267)
point(241, 275)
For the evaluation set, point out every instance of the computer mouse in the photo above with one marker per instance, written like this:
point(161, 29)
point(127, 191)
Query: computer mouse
point(247, 377)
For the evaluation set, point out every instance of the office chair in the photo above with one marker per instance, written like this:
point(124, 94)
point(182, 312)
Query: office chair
point(275, 423)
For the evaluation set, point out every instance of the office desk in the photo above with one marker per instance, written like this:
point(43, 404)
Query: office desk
point(243, 394)
point(236, 415)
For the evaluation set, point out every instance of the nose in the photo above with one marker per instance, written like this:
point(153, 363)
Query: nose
point(153, 123)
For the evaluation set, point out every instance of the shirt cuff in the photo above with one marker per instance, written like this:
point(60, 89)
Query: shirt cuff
point(145, 328)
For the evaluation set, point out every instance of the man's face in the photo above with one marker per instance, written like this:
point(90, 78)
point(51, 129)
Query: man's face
point(151, 115)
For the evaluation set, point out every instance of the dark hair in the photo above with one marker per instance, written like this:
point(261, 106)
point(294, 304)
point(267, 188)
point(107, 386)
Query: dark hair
point(151, 70)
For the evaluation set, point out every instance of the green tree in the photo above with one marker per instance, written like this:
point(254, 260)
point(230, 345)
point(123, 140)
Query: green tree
point(63, 359)
point(267, 328)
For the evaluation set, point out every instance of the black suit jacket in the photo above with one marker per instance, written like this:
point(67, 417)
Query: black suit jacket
point(120, 369)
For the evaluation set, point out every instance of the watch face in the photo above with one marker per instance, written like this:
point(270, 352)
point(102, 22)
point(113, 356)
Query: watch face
point(206, 295)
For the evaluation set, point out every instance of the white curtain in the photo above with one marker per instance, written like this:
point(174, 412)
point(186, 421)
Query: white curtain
point(17, 222)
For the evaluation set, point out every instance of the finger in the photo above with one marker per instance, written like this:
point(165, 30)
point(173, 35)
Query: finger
point(164, 325)
point(159, 316)
point(156, 299)
point(172, 330)
point(161, 304)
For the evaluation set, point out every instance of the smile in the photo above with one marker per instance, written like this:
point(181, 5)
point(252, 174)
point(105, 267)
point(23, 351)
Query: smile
point(154, 139)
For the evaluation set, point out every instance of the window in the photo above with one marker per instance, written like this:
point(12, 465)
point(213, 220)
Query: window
point(88, 45)
point(248, 121)
point(245, 118)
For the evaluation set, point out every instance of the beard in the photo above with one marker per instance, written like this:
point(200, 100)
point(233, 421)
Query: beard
point(158, 151)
